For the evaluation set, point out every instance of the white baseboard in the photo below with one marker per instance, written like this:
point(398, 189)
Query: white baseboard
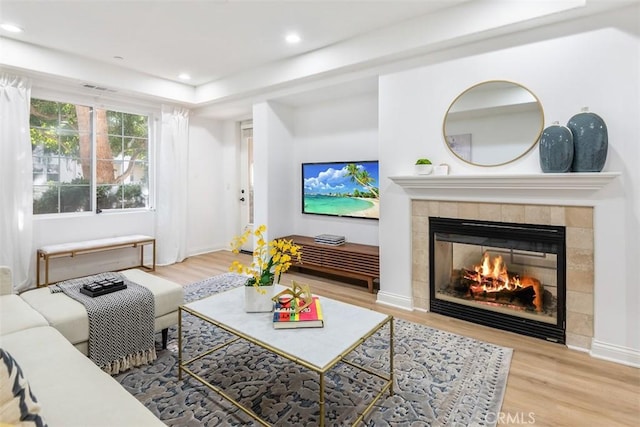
point(615, 353)
point(394, 300)
point(580, 349)
point(205, 250)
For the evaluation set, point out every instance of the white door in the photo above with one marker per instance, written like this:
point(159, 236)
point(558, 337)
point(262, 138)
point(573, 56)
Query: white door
point(246, 181)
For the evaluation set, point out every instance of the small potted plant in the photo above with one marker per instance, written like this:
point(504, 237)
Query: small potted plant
point(424, 167)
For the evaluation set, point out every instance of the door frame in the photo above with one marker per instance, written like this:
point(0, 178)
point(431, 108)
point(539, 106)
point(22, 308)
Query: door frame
point(246, 182)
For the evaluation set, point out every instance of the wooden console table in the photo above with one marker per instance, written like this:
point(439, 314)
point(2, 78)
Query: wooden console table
point(350, 259)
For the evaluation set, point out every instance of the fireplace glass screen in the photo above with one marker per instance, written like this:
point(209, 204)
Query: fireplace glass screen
point(508, 276)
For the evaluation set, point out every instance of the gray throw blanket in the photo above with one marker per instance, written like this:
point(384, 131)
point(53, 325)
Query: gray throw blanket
point(121, 324)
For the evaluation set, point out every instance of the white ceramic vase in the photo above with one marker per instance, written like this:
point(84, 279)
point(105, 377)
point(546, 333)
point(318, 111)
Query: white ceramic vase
point(424, 169)
point(258, 300)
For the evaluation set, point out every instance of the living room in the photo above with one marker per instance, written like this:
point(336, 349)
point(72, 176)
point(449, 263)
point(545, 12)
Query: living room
point(587, 56)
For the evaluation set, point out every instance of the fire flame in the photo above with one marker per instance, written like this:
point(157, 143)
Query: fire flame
point(493, 275)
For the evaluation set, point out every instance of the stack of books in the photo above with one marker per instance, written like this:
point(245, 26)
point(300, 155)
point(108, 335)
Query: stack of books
point(329, 239)
point(286, 317)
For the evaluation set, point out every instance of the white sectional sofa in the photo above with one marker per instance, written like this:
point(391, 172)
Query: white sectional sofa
point(63, 312)
point(69, 388)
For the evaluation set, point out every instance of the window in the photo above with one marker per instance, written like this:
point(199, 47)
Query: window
point(87, 158)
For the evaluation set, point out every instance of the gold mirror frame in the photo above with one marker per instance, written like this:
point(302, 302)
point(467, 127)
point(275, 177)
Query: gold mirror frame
point(479, 110)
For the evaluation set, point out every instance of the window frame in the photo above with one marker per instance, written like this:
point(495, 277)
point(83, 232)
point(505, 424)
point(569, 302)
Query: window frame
point(123, 106)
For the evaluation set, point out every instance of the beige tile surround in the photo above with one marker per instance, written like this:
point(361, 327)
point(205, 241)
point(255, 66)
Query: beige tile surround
point(580, 251)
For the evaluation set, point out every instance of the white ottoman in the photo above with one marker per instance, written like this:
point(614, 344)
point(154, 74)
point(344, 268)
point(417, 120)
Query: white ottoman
point(69, 316)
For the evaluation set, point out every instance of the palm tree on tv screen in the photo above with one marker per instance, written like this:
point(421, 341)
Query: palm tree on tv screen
point(361, 176)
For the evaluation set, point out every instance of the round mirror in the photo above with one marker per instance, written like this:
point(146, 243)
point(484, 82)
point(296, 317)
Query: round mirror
point(493, 123)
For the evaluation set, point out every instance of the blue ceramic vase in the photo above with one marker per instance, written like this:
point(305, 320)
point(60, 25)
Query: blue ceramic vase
point(590, 142)
point(556, 149)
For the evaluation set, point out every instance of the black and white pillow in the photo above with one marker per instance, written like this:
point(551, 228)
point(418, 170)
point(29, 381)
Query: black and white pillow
point(18, 405)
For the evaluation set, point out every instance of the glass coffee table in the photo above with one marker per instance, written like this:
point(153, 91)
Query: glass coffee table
point(346, 327)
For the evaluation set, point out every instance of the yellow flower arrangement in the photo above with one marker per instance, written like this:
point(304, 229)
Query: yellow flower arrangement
point(270, 260)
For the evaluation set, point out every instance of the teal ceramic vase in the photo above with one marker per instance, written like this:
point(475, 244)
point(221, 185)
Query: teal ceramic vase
point(590, 142)
point(556, 149)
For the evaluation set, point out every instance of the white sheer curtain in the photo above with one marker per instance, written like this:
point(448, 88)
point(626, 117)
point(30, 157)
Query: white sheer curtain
point(16, 180)
point(171, 189)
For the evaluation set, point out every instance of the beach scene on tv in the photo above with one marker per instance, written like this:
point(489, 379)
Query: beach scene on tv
point(342, 189)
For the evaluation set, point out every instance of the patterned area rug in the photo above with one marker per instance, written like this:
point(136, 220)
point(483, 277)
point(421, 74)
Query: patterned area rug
point(440, 379)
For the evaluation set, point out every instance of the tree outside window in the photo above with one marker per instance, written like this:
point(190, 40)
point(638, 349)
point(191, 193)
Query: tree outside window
point(69, 141)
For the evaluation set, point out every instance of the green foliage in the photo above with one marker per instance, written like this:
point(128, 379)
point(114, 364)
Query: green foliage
point(75, 197)
point(128, 134)
point(423, 162)
point(61, 130)
point(54, 127)
point(120, 196)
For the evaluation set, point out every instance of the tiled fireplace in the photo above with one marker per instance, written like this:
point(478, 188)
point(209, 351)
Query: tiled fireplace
point(575, 221)
point(505, 275)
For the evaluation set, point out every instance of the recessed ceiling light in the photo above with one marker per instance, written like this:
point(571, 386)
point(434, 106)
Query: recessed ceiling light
point(12, 28)
point(292, 38)
point(118, 57)
point(184, 76)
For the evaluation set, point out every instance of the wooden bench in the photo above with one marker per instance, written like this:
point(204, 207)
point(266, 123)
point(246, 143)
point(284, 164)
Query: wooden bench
point(72, 249)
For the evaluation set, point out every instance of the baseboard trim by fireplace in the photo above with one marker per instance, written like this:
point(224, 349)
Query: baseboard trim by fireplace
point(615, 353)
point(394, 300)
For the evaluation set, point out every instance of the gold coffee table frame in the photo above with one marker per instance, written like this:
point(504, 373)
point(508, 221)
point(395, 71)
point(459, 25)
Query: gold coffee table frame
point(321, 371)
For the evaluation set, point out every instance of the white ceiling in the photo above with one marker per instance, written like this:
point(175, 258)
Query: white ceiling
point(235, 50)
point(209, 40)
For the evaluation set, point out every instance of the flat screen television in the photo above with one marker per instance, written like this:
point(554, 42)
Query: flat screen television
point(345, 189)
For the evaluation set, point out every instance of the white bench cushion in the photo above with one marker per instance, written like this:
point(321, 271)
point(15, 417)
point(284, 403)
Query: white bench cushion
point(93, 244)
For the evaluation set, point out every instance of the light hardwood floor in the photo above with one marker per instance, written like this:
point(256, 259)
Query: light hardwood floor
point(548, 385)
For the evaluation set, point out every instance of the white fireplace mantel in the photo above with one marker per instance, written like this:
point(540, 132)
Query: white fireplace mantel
point(602, 191)
point(588, 181)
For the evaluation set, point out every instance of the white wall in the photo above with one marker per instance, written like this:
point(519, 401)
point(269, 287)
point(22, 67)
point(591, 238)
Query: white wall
point(566, 72)
point(273, 168)
point(341, 130)
point(49, 230)
point(287, 136)
point(213, 185)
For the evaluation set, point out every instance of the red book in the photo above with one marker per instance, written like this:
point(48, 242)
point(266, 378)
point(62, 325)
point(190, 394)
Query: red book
point(285, 316)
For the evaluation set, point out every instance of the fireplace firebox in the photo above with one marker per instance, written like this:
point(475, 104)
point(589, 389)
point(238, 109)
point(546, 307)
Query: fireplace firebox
point(504, 275)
